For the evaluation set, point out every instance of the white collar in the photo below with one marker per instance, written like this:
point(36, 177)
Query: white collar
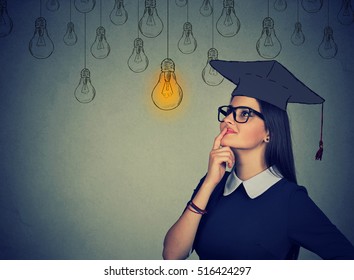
point(254, 186)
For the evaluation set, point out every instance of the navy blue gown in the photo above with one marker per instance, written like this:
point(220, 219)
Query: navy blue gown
point(272, 226)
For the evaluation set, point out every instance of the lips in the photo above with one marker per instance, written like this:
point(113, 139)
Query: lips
point(230, 131)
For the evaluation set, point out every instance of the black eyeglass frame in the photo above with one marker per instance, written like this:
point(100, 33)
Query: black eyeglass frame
point(220, 111)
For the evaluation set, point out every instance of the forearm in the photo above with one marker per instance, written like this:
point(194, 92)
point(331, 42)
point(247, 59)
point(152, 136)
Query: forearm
point(179, 239)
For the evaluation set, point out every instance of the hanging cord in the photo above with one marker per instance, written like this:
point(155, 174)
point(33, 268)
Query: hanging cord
point(85, 39)
point(327, 12)
point(100, 12)
point(187, 11)
point(40, 8)
point(70, 11)
point(138, 19)
point(212, 24)
point(320, 150)
point(268, 8)
point(297, 11)
point(168, 28)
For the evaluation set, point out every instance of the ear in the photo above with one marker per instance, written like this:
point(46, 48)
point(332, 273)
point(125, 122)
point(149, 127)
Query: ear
point(267, 137)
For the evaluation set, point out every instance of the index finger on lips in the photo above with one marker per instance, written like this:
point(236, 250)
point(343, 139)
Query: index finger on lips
point(217, 140)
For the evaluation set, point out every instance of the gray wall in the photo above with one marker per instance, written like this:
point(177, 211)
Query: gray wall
point(106, 180)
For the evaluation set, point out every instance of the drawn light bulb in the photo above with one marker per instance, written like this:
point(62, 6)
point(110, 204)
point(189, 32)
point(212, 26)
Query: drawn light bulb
point(312, 6)
point(53, 5)
point(346, 14)
point(228, 24)
point(150, 24)
point(85, 92)
point(328, 48)
point(210, 76)
point(280, 5)
point(206, 9)
point(138, 61)
point(84, 6)
point(187, 44)
point(100, 48)
point(298, 38)
point(6, 23)
point(167, 94)
point(41, 46)
point(118, 15)
point(268, 45)
point(181, 3)
point(70, 37)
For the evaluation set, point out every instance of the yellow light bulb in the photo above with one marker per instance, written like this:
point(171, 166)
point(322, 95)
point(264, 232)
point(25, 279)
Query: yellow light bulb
point(167, 94)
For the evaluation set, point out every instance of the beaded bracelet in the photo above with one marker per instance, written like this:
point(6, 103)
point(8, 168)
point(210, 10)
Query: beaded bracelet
point(194, 208)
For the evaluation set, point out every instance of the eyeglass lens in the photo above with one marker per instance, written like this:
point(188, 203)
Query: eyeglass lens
point(240, 114)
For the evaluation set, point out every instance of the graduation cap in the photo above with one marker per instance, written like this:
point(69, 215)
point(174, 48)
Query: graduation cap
point(271, 82)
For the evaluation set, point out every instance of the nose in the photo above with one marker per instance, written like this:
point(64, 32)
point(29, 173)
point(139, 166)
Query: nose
point(229, 119)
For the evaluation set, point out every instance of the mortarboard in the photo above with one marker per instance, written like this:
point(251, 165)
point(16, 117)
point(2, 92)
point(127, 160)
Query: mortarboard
point(268, 81)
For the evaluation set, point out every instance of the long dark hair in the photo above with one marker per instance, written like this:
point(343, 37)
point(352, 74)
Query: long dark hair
point(279, 151)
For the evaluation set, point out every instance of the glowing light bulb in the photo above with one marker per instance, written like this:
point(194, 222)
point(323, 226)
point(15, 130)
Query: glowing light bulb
point(53, 5)
point(6, 23)
point(187, 44)
point(84, 6)
point(41, 46)
point(228, 24)
point(328, 48)
point(150, 24)
point(280, 5)
point(118, 15)
point(210, 76)
point(85, 92)
point(100, 48)
point(138, 61)
point(312, 6)
point(167, 94)
point(268, 45)
point(181, 3)
point(346, 14)
point(206, 9)
point(70, 37)
point(298, 38)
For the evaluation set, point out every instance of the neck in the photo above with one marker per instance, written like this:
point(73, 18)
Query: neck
point(249, 164)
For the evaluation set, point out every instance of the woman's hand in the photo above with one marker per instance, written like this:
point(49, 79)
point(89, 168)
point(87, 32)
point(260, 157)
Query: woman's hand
point(218, 158)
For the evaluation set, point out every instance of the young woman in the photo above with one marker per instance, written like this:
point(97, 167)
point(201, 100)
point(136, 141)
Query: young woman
point(256, 211)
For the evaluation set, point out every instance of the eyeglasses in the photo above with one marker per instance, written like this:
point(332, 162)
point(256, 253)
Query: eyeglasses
point(241, 114)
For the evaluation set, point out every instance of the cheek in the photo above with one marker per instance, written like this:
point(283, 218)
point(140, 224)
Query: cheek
point(256, 134)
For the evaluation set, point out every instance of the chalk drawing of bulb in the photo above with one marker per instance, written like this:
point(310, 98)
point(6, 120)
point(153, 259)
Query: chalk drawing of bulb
point(53, 5)
point(298, 37)
point(280, 5)
point(346, 14)
point(268, 45)
point(328, 48)
point(118, 15)
point(84, 6)
point(41, 46)
point(150, 24)
point(167, 94)
point(187, 44)
point(210, 76)
point(138, 61)
point(85, 92)
point(228, 24)
point(312, 6)
point(70, 37)
point(100, 48)
point(181, 3)
point(6, 23)
point(206, 9)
